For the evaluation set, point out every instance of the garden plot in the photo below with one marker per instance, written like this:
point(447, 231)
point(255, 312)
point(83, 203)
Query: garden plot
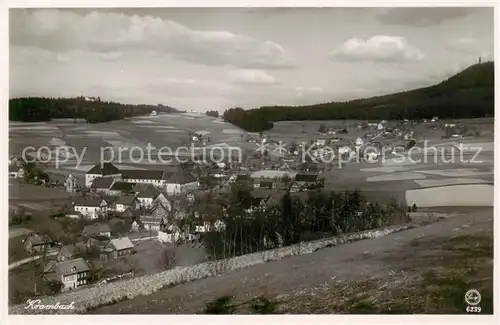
point(448, 181)
point(455, 195)
point(395, 177)
point(459, 172)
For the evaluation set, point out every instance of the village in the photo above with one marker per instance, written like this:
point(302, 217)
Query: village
point(127, 222)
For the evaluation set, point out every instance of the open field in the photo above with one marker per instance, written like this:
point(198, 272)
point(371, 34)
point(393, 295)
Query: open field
point(381, 180)
point(312, 283)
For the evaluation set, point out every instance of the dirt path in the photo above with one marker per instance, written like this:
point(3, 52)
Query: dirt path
point(350, 262)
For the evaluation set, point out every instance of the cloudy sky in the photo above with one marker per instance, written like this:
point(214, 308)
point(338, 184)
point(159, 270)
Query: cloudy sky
point(201, 59)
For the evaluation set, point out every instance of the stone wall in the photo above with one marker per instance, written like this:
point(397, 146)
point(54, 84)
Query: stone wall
point(94, 296)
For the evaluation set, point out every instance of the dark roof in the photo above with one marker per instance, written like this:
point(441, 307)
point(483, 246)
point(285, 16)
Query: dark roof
point(266, 184)
point(123, 186)
point(72, 266)
point(104, 169)
point(130, 213)
point(149, 191)
point(69, 250)
point(243, 177)
point(306, 177)
point(39, 240)
point(125, 199)
point(99, 238)
point(95, 228)
point(179, 177)
point(102, 182)
point(143, 174)
point(87, 202)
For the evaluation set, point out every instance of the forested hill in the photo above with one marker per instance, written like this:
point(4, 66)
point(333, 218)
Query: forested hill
point(467, 94)
point(38, 109)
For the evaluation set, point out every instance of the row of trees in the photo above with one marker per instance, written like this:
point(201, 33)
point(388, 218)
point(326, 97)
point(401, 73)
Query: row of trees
point(294, 219)
point(39, 109)
point(213, 113)
point(468, 94)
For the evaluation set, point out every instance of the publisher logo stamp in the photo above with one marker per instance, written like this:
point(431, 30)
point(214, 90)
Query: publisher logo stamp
point(473, 298)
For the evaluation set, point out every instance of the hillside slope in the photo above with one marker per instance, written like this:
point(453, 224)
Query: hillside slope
point(467, 94)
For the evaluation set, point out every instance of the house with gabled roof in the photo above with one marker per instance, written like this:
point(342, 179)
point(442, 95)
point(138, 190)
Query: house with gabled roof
point(153, 177)
point(101, 170)
point(155, 218)
point(162, 199)
point(68, 252)
point(179, 182)
point(101, 184)
point(125, 202)
point(118, 247)
point(147, 194)
point(34, 243)
point(16, 171)
point(96, 229)
point(122, 188)
point(90, 208)
point(71, 273)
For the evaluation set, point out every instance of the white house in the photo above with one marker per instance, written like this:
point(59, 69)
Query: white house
point(218, 225)
point(321, 142)
point(15, 171)
point(71, 273)
point(90, 208)
point(101, 170)
point(359, 141)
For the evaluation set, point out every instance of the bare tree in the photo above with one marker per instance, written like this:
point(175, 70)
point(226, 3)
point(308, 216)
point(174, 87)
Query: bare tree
point(168, 259)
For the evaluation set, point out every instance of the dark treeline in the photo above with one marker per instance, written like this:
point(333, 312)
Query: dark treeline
point(468, 94)
point(39, 109)
point(213, 113)
point(295, 219)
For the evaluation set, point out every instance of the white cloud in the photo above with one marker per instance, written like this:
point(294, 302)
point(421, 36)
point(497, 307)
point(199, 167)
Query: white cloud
point(251, 77)
point(377, 48)
point(62, 31)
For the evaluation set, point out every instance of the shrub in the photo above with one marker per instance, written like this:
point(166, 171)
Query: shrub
point(220, 305)
point(55, 286)
point(262, 305)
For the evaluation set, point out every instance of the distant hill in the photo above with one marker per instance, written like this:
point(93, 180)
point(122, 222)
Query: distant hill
point(39, 109)
point(468, 94)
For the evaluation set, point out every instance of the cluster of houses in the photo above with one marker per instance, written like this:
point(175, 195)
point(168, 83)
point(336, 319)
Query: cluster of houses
point(69, 266)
